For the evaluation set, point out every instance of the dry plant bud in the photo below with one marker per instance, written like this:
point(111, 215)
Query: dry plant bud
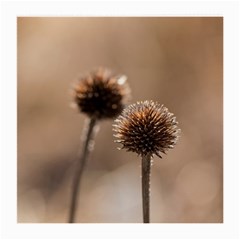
point(146, 128)
point(101, 95)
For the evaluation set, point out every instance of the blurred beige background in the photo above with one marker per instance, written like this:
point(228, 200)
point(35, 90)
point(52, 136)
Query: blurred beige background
point(175, 61)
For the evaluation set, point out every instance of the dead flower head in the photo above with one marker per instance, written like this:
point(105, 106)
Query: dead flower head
point(101, 95)
point(146, 128)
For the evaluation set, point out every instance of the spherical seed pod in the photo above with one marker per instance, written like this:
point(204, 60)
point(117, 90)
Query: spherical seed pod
point(146, 128)
point(101, 95)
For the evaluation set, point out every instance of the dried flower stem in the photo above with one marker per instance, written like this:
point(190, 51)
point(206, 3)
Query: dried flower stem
point(88, 136)
point(146, 172)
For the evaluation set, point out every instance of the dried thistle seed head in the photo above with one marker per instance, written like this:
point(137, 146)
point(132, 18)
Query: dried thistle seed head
point(146, 128)
point(101, 94)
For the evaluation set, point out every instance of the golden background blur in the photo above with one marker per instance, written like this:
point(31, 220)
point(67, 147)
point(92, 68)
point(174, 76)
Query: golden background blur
point(177, 61)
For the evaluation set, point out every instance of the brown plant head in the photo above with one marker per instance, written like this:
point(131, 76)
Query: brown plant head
point(101, 95)
point(146, 128)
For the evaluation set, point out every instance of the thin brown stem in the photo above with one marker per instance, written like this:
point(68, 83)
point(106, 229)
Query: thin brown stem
point(146, 171)
point(88, 135)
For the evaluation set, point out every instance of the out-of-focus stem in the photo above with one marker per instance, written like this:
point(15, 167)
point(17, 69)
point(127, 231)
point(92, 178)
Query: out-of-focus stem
point(88, 136)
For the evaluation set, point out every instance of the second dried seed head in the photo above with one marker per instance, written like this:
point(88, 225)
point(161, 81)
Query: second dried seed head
point(101, 95)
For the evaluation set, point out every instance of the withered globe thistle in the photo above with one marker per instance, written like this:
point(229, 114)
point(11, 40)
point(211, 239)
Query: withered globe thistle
point(101, 95)
point(146, 128)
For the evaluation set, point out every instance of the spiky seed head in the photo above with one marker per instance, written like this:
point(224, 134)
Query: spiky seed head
point(101, 95)
point(146, 128)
